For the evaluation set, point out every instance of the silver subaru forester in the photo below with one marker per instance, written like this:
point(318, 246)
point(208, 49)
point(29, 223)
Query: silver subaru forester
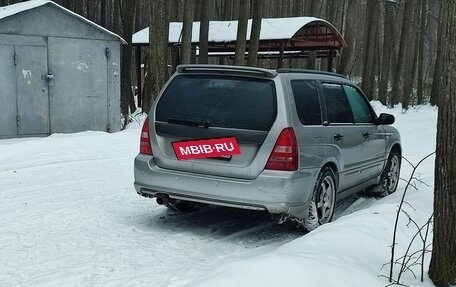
point(306, 138)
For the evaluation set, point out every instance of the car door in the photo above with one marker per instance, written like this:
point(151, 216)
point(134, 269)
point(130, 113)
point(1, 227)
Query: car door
point(373, 139)
point(342, 135)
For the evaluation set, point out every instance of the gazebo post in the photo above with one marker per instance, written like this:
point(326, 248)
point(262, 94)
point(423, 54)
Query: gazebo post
point(280, 59)
point(330, 60)
point(138, 75)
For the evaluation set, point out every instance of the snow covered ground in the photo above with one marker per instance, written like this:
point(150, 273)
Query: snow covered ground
point(69, 216)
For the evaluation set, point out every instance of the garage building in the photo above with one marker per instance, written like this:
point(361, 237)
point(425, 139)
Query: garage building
point(59, 72)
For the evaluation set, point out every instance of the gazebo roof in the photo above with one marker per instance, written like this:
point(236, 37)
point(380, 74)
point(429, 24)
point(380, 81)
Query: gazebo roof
point(291, 34)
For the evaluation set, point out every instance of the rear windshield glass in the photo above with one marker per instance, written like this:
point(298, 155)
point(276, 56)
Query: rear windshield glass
point(219, 101)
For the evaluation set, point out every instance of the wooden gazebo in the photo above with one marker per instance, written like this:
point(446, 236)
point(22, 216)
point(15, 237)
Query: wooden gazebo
point(279, 38)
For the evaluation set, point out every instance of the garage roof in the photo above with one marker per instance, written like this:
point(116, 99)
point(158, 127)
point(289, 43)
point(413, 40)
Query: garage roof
point(10, 10)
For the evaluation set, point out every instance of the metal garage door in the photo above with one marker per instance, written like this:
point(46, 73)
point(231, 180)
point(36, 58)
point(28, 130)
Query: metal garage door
point(8, 109)
point(32, 90)
point(79, 99)
point(23, 91)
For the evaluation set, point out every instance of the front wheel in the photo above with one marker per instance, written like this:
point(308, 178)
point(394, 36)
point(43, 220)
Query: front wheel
point(321, 207)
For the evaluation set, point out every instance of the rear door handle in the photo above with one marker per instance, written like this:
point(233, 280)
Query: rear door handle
point(366, 134)
point(338, 137)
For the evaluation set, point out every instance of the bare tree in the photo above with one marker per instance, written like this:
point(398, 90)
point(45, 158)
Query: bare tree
point(388, 48)
point(186, 48)
point(368, 80)
point(315, 7)
point(442, 269)
point(421, 58)
point(204, 30)
point(255, 32)
point(127, 102)
point(158, 51)
point(227, 5)
point(397, 92)
point(412, 56)
point(239, 57)
point(435, 96)
point(349, 35)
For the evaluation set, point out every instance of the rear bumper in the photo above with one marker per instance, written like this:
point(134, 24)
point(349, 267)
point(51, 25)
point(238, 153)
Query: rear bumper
point(277, 192)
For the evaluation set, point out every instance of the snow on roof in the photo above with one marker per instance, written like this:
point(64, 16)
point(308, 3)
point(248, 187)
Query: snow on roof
point(14, 9)
point(226, 31)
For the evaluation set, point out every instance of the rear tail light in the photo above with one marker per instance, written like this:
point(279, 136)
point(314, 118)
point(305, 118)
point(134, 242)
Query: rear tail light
point(284, 156)
point(144, 144)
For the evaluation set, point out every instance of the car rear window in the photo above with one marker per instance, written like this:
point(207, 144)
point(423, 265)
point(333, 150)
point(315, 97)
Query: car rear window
point(220, 101)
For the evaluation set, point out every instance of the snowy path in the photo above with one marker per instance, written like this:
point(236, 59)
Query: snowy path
point(69, 216)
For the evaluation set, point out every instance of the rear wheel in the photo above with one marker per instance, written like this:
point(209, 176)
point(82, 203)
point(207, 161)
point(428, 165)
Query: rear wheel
point(390, 176)
point(321, 208)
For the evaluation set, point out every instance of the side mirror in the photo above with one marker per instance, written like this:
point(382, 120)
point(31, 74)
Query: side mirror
point(385, 119)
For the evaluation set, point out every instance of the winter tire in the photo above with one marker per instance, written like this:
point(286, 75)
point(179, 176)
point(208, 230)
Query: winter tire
point(390, 176)
point(321, 208)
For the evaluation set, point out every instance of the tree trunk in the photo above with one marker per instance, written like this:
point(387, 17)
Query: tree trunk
point(127, 102)
point(388, 48)
point(368, 76)
point(398, 74)
point(227, 4)
point(227, 15)
point(79, 7)
point(65, 3)
point(350, 25)
point(442, 269)
point(255, 32)
point(197, 10)
point(187, 27)
point(420, 78)
point(204, 31)
point(438, 65)
point(103, 13)
point(411, 57)
point(158, 49)
point(314, 12)
point(236, 8)
point(298, 8)
point(116, 13)
point(239, 57)
point(186, 47)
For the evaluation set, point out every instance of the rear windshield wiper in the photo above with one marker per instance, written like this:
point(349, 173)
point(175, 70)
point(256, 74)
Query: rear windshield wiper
point(191, 123)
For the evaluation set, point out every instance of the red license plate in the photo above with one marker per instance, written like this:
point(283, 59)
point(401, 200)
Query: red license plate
point(219, 148)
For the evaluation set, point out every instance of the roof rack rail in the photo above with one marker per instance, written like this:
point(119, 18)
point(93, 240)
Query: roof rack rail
point(306, 71)
point(225, 68)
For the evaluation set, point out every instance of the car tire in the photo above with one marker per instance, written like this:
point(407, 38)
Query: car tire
point(322, 204)
point(390, 175)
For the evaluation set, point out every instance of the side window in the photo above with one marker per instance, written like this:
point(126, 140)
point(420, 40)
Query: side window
point(361, 111)
point(337, 106)
point(307, 101)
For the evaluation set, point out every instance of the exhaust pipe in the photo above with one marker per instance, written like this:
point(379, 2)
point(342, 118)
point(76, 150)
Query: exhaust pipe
point(162, 199)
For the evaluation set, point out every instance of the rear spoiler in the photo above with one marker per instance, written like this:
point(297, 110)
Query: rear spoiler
point(225, 68)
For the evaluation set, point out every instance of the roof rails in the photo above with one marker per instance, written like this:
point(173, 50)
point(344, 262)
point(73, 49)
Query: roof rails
point(226, 68)
point(305, 71)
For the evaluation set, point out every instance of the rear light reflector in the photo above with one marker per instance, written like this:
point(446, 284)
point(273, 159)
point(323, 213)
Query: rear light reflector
point(144, 143)
point(284, 156)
